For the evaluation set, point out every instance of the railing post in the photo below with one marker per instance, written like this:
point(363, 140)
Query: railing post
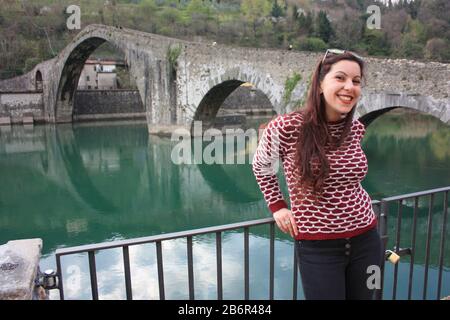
point(383, 229)
point(159, 262)
point(59, 273)
point(272, 260)
point(93, 274)
point(219, 265)
point(428, 245)
point(126, 267)
point(442, 244)
point(246, 264)
point(190, 259)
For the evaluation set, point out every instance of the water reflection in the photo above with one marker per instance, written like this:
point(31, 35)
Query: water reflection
point(72, 185)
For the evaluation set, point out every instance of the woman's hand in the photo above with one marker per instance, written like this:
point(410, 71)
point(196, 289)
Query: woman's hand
point(286, 222)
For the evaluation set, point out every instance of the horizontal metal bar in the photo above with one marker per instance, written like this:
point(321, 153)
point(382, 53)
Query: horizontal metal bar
point(416, 194)
point(163, 237)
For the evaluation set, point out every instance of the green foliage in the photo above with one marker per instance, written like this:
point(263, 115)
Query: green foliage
point(30, 63)
point(437, 49)
point(289, 86)
point(305, 23)
point(255, 9)
point(311, 44)
point(324, 28)
point(277, 11)
point(148, 6)
point(173, 52)
point(413, 41)
point(376, 43)
point(417, 30)
point(410, 47)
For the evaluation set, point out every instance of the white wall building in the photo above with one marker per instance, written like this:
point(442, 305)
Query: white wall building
point(98, 75)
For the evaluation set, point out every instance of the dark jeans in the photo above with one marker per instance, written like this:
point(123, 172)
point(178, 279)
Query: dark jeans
point(337, 269)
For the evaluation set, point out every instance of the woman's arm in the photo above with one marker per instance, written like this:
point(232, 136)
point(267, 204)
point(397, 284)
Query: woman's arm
point(265, 166)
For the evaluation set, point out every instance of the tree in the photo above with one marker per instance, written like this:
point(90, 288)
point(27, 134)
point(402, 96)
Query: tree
point(348, 32)
point(305, 23)
point(410, 47)
point(437, 49)
point(254, 10)
point(376, 43)
point(413, 8)
point(324, 28)
point(311, 44)
point(277, 11)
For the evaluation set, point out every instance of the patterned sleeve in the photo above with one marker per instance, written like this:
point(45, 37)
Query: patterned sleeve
point(361, 130)
point(266, 162)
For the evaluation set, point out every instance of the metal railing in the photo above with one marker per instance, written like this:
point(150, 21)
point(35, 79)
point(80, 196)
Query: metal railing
point(411, 251)
point(125, 244)
point(381, 208)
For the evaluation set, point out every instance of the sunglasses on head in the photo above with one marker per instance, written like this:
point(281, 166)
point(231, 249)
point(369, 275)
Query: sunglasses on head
point(338, 52)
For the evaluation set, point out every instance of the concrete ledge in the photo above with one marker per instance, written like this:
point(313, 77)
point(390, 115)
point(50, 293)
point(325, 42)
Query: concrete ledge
point(28, 119)
point(19, 261)
point(168, 130)
point(108, 116)
point(5, 121)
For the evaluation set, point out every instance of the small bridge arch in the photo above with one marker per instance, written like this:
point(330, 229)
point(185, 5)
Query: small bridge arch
point(222, 86)
point(73, 64)
point(376, 104)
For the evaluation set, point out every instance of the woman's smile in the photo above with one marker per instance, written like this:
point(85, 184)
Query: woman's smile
point(345, 98)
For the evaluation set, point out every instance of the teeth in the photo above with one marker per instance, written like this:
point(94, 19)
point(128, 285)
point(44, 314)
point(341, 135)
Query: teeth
point(347, 98)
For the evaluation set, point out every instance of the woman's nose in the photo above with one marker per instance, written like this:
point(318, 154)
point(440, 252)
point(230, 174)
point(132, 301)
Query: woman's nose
point(348, 84)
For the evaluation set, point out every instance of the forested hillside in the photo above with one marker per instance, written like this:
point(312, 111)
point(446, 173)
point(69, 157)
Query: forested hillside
point(33, 31)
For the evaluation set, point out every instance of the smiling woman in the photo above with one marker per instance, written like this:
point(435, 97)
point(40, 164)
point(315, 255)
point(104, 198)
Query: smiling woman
point(331, 214)
point(341, 89)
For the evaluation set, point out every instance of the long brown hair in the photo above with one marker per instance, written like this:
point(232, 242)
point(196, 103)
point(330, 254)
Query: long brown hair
point(313, 135)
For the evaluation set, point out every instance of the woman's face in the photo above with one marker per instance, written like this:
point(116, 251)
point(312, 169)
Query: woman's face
point(341, 88)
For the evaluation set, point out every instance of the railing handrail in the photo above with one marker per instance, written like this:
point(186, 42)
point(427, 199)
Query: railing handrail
point(416, 194)
point(161, 237)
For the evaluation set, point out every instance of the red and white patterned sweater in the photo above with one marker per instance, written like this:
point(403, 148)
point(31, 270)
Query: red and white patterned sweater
point(344, 209)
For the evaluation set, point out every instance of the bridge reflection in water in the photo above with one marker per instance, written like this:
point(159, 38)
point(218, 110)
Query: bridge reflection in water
point(72, 185)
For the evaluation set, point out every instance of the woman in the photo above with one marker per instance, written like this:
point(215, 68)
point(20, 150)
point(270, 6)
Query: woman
point(331, 215)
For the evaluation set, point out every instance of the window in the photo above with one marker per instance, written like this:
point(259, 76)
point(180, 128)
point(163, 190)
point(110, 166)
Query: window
point(87, 78)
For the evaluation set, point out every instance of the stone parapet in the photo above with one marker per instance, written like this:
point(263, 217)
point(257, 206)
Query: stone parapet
point(19, 262)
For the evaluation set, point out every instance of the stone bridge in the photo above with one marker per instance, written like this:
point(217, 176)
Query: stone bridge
point(181, 81)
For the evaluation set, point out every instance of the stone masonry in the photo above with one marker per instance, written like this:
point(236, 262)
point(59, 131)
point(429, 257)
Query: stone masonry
point(19, 262)
point(194, 86)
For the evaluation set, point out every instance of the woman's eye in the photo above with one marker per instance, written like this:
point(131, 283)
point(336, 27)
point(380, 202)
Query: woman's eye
point(340, 78)
point(357, 81)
